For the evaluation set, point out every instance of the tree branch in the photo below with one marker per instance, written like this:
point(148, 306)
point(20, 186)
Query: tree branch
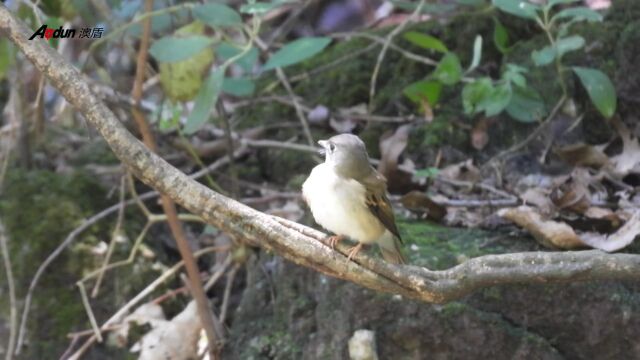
point(299, 243)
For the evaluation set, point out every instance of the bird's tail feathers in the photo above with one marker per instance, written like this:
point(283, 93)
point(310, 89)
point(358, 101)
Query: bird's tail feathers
point(390, 249)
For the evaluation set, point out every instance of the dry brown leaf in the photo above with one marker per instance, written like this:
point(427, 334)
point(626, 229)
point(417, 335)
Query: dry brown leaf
point(464, 171)
point(618, 240)
point(583, 155)
point(540, 198)
point(479, 135)
point(176, 339)
point(392, 145)
point(628, 161)
point(419, 202)
point(548, 232)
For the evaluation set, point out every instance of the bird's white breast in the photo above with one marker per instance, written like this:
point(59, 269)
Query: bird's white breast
point(338, 205)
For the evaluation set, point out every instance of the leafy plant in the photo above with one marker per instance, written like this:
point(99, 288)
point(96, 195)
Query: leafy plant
point(556, 26)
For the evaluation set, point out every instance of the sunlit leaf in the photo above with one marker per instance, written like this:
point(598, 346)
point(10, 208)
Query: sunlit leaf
point(477, 53)
point(578, 14)
point(172, 49)
point(519, 8)
point(297, 51)
point(425, 41)
point(425, 89)
point(474, 93)
point(562, 46)
point(449, 70)
point(600, 89)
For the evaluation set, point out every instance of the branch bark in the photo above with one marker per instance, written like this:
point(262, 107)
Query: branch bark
point(299, 243)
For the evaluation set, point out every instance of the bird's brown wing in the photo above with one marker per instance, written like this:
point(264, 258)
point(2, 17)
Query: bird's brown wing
point(377, 201)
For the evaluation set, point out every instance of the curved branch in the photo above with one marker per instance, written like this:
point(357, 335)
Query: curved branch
point(299, 243)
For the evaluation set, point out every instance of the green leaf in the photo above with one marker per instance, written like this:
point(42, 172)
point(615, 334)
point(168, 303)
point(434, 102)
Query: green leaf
point(426, 173)
point(519, 8)
point(6, 56)
point(578, 14)
point(296, 51)
point(526, 105)
point(474, 93)
point(543, 56)
point(552, 3)
point(238, 86)
point(513, 75)
point(477, 53)
point(425, 89)
point(571, 43)
point(471, 2)
point(259, 8)
point(497, 100)
point(449, 70)
point(173, 49)
point(205, 101)
point(500, 37)
point(425, 41)
point(246, 62)
point(214, 15)
point(562, 46)
point(600, 89)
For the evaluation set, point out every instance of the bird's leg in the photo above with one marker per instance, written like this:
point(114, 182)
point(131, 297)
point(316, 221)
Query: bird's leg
point(335, 239)
point(353, 251)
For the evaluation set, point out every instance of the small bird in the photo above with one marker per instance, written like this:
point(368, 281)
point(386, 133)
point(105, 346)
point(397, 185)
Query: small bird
point(348, 197)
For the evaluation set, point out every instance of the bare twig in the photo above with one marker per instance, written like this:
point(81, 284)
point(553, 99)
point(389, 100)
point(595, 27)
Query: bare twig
point(13, 305)
point(87, 308)
point(531, 136)
point(114, 237)
point(227, 292)
point(87, 224)
point(385, 47)
point(119, 315)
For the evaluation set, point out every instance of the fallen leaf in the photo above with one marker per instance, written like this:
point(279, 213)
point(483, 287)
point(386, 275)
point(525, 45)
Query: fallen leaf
point(628, 160)
point(548, 232)
point(392, 145)
point(540, 198)
point(583, 155)
point(618, 240)
point(419, 202)
point(479, 136)
point(464, 171)
point(176, 339)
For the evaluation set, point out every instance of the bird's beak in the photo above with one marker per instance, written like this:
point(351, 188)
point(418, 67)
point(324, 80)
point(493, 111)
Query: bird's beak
point(323, 144)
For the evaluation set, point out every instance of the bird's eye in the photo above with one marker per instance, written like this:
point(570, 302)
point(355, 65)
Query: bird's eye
point(332, 147)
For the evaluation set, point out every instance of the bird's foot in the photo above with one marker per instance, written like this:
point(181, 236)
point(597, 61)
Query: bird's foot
point(334, 240)
point(353, 251)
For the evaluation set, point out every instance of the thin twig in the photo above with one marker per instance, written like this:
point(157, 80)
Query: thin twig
point(13, 304)
point(84, 226)
point(114, 237)
point(227, 292)
point(385, 47)
point(89, 311)
point(119, 315)
point(531, 136)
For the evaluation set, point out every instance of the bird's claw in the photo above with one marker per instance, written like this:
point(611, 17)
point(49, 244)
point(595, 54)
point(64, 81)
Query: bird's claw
point(353, 251)
point(334, 240)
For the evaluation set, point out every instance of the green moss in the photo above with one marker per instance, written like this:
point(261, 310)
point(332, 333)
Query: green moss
point(437, 247)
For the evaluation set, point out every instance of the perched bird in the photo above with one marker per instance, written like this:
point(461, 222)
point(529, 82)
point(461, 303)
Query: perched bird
point(349, 198)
